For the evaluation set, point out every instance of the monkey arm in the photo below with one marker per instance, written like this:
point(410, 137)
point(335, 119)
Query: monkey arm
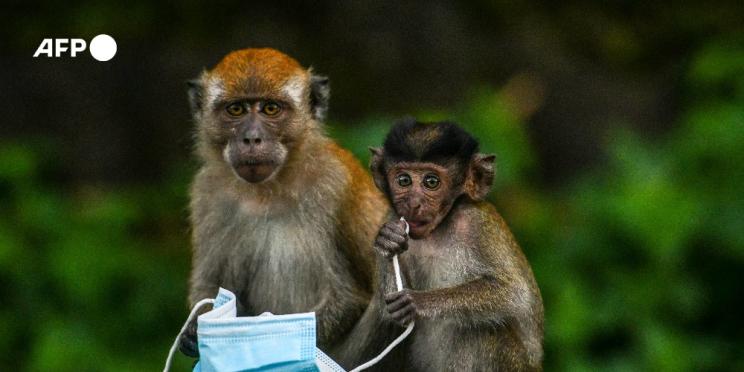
point(328, 309)
point(203, 282)
point(339, 309)
point(206, 261)
point(370, 335)
point(374, 330)
point(485, 299)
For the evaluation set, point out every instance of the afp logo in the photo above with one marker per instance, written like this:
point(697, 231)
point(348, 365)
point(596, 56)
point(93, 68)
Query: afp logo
point(102, 47)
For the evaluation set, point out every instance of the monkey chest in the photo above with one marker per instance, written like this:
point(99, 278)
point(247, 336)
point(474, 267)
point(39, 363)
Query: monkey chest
point(431, 267)
point(280, 265)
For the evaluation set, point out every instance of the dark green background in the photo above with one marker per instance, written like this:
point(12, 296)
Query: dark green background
point(618, 128)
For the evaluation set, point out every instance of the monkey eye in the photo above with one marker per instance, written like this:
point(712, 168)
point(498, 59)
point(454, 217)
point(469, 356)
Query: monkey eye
point(431, 182)
point(404, 180)
point(235, 109)
point(271, 108)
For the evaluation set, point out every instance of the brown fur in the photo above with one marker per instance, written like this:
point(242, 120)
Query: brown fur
point(469, 287)
point(365, 198)
point(256, 69)
point(477, 305)
point(298, 241)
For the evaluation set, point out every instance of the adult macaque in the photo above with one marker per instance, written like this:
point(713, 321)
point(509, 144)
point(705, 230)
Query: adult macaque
point(472, 294)
point(281, 215)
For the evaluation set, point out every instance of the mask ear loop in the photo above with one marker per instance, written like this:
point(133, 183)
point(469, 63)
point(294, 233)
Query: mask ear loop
point(409, 327)
point(396, 265)
point(173, 348)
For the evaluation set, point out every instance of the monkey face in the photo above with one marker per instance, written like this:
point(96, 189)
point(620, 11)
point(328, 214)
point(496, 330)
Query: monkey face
point(424, 168)
point(254, 130)
point(422, 193)
point(253, 109)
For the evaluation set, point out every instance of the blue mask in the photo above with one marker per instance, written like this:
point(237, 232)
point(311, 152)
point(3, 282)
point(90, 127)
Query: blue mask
point(260, 343)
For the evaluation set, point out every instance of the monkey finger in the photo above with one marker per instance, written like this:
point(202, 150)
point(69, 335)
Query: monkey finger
point(398, 316)
point(388, 231)
point(406, 318)
point(395, 230)
point(384, 237)
point(398, 238)
point(397, 227)
point(411, 311)
point(385, 230)
point(398, 304)
point(409, 308)
point(399, 248)
point(398, 243)
point(395, 224)
point(387, 243)
point(383, 246)
point(188, 346)
point(393, 296)
point(401, 315)
point(381, 237)
point(381, 250)
point(395, 308)
point(391, 246)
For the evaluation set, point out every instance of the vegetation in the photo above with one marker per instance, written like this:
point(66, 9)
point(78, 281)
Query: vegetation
point(618, 136)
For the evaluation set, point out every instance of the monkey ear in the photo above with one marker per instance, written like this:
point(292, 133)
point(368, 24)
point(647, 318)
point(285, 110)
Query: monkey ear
point(196, 95)
point(320, 94)
point(376, 166)
point(479, 176)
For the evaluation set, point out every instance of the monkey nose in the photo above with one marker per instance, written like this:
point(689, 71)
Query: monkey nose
point(414, 208)
point(252, 140)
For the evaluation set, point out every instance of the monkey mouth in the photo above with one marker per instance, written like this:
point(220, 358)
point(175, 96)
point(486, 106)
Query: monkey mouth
point(417, 224)
point(254, 162)
point(418, 228)
point(254, 170)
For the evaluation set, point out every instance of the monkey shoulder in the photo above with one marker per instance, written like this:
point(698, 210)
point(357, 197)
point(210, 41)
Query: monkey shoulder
point(487, 232)
point(499, 246)
point(476, 218)
point(488, 221)
point(480, 210)
point(361, 198)
point(360, 210)
point(351, 166)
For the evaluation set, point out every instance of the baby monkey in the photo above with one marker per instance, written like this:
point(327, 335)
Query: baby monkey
point(470, 288)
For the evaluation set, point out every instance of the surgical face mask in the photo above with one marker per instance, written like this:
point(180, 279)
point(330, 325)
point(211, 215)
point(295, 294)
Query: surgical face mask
point(260, 343)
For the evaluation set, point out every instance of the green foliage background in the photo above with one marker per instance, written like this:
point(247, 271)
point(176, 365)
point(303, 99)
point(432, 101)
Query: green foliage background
point(640, 261)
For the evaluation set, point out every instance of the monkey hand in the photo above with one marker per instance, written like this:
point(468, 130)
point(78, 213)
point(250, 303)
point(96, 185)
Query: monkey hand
point(402, 306)
point(392, 239)
point(187, 343)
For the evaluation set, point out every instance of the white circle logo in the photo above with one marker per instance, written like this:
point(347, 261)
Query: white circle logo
point(103, 47)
